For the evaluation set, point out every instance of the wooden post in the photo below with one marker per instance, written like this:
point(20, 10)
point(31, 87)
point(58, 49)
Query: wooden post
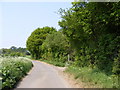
point(68, 57)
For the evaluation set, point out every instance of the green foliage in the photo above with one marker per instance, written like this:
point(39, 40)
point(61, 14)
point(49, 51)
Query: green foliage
point(56, 47)
point(92, 29)
point(0, 75)
point(36, 39)
point(16, 54)
point(13, 69)
point(13, 52)
point(116, 68)
point(56, 41)
point(53, 62)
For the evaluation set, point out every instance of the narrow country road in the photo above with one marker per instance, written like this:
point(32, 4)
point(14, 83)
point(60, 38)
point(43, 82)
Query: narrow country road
point(43, 76)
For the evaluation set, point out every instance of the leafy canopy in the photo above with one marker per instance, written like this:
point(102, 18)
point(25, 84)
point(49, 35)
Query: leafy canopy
point(36, 39)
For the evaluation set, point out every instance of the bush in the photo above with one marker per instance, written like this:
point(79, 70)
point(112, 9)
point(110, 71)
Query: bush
point(13, 69)
point(56, 63)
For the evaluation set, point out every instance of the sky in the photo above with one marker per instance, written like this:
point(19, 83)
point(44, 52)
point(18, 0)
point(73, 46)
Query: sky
point(19, 19)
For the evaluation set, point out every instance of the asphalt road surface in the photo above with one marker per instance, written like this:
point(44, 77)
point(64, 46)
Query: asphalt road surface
point(43, 76)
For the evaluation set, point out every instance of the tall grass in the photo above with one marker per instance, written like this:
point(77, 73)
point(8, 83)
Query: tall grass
point(93, 77)
point(13, 69)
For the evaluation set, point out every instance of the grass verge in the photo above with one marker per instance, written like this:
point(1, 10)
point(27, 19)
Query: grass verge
point(93, 78)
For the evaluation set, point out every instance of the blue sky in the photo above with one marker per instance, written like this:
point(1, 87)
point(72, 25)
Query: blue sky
point(19, 19)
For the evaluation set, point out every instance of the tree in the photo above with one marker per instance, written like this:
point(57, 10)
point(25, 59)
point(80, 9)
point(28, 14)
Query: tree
point(13, 51)
point(13, 48)
point(57, 45)
point(93, 30)
point(36, 39)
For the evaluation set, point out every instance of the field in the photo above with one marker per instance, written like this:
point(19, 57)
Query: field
point(12, 70)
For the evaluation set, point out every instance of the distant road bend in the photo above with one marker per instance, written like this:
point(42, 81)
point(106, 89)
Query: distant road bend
point(43, 76)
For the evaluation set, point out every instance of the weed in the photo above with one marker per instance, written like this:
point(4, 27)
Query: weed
point(13, 69)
